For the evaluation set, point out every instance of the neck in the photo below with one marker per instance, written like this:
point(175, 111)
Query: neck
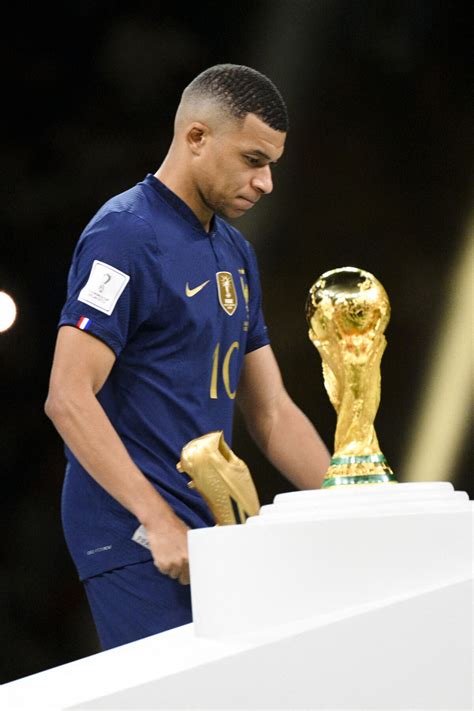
point(180, 182)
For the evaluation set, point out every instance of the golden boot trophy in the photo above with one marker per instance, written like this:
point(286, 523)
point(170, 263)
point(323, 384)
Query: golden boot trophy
point(221, 478)
point(347, 312)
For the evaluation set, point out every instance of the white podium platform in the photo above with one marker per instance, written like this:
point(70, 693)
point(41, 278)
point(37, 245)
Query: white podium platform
point(357, 598)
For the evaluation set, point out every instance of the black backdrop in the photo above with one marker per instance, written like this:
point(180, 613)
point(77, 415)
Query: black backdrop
point(376, 174)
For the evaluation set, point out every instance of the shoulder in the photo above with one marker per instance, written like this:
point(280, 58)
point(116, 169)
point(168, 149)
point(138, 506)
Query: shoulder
point(121, 223)
point(118, 238)
point(128, 210)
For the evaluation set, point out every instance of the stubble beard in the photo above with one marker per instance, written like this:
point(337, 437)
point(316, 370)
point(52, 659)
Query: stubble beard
point(219, 208)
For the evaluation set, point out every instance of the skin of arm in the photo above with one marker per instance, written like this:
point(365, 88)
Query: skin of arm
point(81, 366)
point(283, 433)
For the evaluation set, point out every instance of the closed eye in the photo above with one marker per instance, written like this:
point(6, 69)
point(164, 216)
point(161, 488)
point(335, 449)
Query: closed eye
point(258, 162)
point(254, 162)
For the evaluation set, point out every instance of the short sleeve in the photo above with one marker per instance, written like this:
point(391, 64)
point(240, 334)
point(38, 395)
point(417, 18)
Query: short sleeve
point(258, 333)
point(113, 281)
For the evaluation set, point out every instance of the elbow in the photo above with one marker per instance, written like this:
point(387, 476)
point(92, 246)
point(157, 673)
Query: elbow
point(66, 403)
point(56, 406)
point(51, 406)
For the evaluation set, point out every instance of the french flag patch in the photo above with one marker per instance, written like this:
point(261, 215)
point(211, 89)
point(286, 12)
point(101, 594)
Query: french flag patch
point(83, 323)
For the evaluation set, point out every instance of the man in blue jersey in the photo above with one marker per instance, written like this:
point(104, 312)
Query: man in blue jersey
point(162, 327)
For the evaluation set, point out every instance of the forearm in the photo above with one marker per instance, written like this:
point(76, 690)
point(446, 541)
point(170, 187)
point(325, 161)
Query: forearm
point(292, 445)
point(87, 431)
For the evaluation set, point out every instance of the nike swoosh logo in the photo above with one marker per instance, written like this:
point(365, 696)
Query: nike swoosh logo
point(197, 289)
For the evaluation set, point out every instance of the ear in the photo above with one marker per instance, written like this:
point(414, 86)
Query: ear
point(197, 136)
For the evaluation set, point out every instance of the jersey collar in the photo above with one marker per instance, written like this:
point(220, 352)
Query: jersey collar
point(179, 205)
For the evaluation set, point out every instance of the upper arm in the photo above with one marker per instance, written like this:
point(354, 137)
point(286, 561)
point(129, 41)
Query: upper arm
point(80, 362)
point(260, 386)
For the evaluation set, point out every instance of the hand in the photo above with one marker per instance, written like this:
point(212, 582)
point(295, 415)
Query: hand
point(169, 546)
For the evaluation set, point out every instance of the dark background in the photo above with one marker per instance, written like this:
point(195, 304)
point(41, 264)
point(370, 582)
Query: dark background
point(376, 174)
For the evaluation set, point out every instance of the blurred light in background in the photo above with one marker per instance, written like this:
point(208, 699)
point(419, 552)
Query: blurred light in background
point(7, 311)
point(442, 421)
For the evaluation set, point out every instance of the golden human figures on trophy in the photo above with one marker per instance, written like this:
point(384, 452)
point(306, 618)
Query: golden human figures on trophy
point(347, 312)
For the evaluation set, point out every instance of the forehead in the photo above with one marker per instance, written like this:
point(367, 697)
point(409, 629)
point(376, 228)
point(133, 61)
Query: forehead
point(254, 134)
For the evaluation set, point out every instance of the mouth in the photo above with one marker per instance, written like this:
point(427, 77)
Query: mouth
point(246, 201)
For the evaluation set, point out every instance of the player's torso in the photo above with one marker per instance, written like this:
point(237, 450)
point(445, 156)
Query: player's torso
point(189, 354)
point(203, 313)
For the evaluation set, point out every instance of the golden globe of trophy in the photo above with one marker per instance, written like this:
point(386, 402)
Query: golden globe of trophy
point(347, 312)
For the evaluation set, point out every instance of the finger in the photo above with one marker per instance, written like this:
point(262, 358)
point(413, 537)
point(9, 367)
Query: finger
point(169, 570)
point(184, 578)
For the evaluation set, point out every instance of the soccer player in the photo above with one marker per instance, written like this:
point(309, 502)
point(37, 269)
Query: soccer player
point(161, 330)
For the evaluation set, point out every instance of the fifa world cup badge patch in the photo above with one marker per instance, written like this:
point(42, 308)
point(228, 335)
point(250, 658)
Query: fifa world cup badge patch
point(104, 287)
point(227, 292)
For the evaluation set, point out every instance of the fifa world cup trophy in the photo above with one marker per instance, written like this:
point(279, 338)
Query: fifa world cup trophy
point(347, 312)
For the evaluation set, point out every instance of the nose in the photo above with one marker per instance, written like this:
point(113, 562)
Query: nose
point(262, 180)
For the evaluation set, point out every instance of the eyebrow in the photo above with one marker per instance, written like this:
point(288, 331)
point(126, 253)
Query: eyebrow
point(263, 155)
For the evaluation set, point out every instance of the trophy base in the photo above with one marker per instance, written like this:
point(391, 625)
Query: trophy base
point(357, 480)
point(357, 470)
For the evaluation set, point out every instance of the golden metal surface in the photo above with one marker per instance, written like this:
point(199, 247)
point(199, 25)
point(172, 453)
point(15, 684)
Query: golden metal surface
point(347, 312)
point(222, 479)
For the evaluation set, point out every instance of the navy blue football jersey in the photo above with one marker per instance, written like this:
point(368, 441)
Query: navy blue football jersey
point(180, 307)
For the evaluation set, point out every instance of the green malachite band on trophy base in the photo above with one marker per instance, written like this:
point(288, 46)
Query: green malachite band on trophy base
point(359, 459)
point(363, 479)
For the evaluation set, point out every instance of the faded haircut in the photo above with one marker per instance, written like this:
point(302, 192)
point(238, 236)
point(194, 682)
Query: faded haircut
point(241, 91)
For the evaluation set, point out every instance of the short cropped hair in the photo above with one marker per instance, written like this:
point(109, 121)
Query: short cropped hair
point(241, 91)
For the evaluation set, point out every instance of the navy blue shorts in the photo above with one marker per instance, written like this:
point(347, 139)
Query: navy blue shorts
point(136, 601)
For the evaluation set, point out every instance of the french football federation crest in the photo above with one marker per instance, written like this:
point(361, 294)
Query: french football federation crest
point(227, 292)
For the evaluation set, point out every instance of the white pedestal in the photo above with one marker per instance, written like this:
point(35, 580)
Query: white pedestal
point(357, 598)
point(324, 551)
